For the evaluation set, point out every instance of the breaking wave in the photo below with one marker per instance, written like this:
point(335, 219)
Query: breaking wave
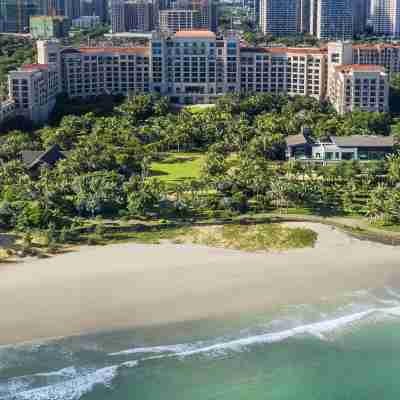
point(73, 388)
point(317, 329)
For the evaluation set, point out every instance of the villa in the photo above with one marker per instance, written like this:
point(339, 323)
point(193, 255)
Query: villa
point(302, 147)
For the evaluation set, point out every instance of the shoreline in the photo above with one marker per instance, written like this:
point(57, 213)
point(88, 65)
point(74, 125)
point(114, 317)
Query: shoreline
point(130, 285)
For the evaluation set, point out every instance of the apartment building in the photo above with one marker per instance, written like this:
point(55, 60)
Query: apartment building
point(175, 20)
point(359, 87)
point(295, 71)
point(331, 19)
point(95, 71)
point(385, 17)
point(195, 66)
point(139, 16)
point(15, 14)
point(280, 17)
point(34, 88)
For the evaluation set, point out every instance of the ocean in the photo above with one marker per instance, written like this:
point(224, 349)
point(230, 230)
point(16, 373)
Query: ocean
point(346, 347)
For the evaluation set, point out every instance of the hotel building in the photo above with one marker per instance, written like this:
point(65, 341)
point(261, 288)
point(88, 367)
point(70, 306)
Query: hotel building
point(198, 67)
point(295, 71)
point(359, 87)
point(34, 88)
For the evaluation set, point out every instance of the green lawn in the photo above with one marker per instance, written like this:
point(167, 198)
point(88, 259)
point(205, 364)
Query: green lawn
point(199, 108)
point(178, 167)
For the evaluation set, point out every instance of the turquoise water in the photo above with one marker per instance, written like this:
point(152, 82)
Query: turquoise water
point(343, 348)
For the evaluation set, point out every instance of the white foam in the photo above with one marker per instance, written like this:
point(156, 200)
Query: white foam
point(67, 372)
point(395, 311)
point(130, 364)
point(75, 388)
point(20, 383)
point(392, 292)
point(317, 329)
point(175, 348)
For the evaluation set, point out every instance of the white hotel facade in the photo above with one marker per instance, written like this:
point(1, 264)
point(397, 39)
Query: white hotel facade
point(193, 67)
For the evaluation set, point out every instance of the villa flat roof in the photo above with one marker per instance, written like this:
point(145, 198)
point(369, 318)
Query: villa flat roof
point(363, 141)
point(296, 140)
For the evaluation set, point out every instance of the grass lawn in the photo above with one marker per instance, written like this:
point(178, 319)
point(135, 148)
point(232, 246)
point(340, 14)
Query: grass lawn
point(198, 108)
point(178, 167)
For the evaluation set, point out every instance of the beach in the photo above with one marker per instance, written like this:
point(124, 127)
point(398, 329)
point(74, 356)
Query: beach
point(103, 288)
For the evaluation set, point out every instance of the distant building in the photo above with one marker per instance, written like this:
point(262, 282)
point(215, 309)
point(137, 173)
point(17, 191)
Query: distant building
point(253, 8)
point(280, 17)
point(361, 13)
point(98, 8)
point(86, 22)
point(385, 17)
point(175, 20)
point(331, 19)
point(117, 16)
point(15, 14)
point(336, 148)
point(72, 8)
point(34, 88)
point(304, 16)
point(139, 16)
point(46, 27)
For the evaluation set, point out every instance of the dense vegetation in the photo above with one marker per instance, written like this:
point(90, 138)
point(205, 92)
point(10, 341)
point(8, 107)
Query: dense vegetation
point(130, 162)
point(13, 52)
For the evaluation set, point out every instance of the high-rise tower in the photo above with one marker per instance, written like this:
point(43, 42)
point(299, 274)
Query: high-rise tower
point(385, 17)
point(332, 19)
point(280, 17)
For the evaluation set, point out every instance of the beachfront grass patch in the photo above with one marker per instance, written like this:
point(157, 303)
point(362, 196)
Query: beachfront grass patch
point(150, 236)
point(178, 167)
point(252, 237)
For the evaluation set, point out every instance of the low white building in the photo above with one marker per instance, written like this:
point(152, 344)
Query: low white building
point(303, 147)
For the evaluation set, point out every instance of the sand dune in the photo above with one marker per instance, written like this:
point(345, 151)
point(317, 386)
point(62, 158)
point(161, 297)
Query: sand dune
point(117, 286)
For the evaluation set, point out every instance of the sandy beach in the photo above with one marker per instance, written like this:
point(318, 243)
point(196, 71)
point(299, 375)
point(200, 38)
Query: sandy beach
point(128, 285)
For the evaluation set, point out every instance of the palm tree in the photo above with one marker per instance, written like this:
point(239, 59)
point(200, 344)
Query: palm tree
point(394, 168)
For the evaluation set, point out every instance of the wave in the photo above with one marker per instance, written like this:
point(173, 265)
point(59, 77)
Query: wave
point(316, 329)
point(70, 389)
point(175, 348)
point(68, 372)
point(392, 292)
